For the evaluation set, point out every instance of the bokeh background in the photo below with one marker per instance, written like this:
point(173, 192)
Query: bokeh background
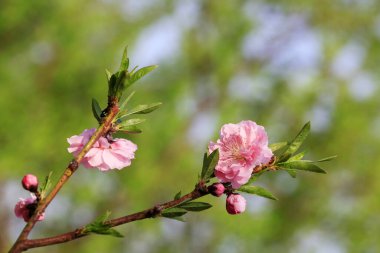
point(279, 63)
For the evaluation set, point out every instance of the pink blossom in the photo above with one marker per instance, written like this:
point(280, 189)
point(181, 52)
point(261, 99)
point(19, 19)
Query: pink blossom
point(216, 189)
point(77, 142)
point(242, 147)
point(235, 204)
point(25, 208)
point(105, 154)
point(30, 182)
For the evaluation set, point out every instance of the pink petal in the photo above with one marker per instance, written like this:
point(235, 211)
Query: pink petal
point(95, 159)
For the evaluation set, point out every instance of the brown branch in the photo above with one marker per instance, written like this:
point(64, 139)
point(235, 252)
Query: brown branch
point(112, 111)
point(148, 213)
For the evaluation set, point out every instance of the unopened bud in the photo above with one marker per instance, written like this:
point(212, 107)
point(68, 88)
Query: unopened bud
point(235, 204)
point(30, 183)
point(216, 189)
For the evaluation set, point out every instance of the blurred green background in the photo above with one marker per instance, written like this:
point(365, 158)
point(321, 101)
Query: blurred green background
point(279, 63)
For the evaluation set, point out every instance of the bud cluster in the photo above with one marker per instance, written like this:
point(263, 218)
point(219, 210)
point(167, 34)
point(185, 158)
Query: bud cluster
point(235, 203)
point(25, 208)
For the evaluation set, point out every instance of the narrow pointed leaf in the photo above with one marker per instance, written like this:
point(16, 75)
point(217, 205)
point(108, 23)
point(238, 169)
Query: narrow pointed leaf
point(102, 218)
point(177, 196)
point(204, 165)
point(105, 231)
point(195, 206)
point(277, 146)
point(122, 76)
point(112, 86)
point(173, 212)
point(257, 190)
point(302, 165)
point(46, 185)
point(296, 143)
point(130, 129)
point(124, 60)
point(142, 109)
point(108, 75)
point(297, 157)
point(96, 110)
point(209, 163)
point(140, 73)
point(125, 102)
point(131, 122)
point(98, 226)
point(327, 159)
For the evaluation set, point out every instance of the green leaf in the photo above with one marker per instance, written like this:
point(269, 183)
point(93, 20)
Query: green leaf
point(45, 185)
point(257, 190)
point(297, 157)
point(277, 146)
point(141, 109)
point(173, 212)
point(103, 230)
point(131, 122)
point(96, 110)
point(295, 143)
point(108, 75)
point(139, 74)
point(209, 163)
point(122, 107)
point(122, 76)
point(195, 206)
point(326, 159)
point(98, 226)
point(130, 130)
point(124, 60)
point(302, 165)
point(102, 218)
point(177, 196)
point(112, 86)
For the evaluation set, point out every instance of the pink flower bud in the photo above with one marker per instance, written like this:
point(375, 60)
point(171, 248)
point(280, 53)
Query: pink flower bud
point(235, 204)
point(30, 183)
point(216, 189)
point(25, 208)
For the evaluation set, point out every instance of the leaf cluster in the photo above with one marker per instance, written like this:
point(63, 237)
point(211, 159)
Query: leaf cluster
point(118, 82)
point(290, 161)
point(99, 226)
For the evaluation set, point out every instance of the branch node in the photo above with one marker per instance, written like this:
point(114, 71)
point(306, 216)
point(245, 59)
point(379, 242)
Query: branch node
point(73, 165)
point(156, 210)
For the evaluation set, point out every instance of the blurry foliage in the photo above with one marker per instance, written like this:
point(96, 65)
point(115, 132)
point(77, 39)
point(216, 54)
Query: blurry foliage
point(280, 63)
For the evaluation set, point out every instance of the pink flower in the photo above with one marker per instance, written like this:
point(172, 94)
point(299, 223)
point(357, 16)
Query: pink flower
point(30, 182)
point(25, 208)
point(77, 142)
point(216, 189)
point(105, 154)
point(242, 147)
point(235, 204)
